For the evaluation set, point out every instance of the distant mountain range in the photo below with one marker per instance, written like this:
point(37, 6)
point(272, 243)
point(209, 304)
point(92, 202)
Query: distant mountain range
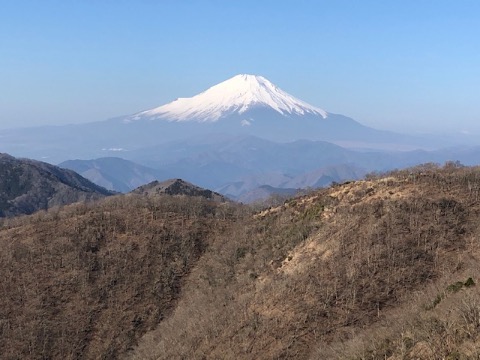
point(237, 136)
point(28, 185)
point(114, 173)
point(232, 165)
point(236, 166)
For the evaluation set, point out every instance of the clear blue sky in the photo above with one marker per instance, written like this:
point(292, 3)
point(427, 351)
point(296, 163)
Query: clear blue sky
point(411, 64)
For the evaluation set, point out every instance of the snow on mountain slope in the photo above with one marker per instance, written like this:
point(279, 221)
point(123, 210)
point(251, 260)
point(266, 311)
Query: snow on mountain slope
point(235, 95)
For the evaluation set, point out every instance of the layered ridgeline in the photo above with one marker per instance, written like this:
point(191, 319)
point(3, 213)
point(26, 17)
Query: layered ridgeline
point(28, 185)
point(244, 138)
point(381, 268)
point(242, 105)
point(237, 166)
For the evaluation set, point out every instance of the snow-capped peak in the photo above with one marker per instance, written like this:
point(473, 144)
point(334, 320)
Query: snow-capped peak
point(235, 95)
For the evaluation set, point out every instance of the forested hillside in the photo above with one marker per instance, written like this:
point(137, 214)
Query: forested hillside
point(86, 281)
point(28, 185)
point(384, 268)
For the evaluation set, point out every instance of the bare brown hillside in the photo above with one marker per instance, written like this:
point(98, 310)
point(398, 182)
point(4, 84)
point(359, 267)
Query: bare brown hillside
point(85, 281)
point(384, 268)
point(324, 275)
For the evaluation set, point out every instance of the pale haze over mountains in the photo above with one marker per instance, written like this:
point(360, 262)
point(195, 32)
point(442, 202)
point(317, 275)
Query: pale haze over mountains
point(242, 105)
point(239, 135)
point(234, 137)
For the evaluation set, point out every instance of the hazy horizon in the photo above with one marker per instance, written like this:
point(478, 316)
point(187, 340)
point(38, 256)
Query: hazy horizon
point(410, 67)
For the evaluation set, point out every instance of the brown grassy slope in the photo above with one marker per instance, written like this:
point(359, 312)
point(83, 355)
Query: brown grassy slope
point(300, 280)
point(86, 281)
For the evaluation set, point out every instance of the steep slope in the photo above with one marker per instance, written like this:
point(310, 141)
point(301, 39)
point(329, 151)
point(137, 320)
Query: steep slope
point(87, 281)
point(114, 173)
point(177, 187)
point(319, 276)
point(27, 186)
point(381, 268)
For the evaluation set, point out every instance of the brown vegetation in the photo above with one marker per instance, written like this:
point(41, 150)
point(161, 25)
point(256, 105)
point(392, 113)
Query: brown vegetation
point(384, 268)
point(86, 281)
point(314, 276)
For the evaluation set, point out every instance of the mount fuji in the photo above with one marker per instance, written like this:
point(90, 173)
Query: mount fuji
point(236, 96)
point(252, 105)
point(244, 105)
